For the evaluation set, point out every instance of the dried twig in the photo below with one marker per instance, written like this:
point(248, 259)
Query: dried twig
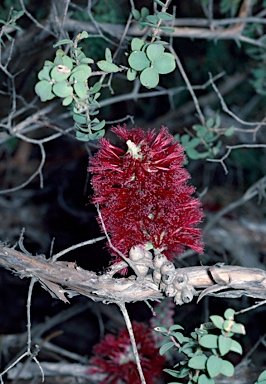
point(133, 341)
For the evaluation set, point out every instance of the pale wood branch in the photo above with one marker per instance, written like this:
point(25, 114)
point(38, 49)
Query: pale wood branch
point(64, 278)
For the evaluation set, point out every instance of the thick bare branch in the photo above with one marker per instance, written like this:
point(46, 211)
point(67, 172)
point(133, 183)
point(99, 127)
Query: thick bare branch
point(61, 278)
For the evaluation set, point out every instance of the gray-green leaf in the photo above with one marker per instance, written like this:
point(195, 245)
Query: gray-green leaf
point(149, 78)
point(154, 51)
point(44, 90)
point(61, 89)
point(165, 64)
point(138, 60)
point(107, 67)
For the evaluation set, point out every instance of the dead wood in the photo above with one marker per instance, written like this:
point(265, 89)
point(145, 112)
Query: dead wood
point(63, 279)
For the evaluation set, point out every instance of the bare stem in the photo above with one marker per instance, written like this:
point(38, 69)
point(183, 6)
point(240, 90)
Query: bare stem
point(126, 259)
point(132, 339)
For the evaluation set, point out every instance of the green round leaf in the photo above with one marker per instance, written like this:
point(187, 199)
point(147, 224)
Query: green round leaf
point(238, 328)
point(216, 149)
point(203, 379)
point(193, 154)
point(177, 374)
point(83, 35)
point(236, 347)
point(67, 101)
point(165, 16)
point(108, 55)
point(80, 73)
point(214, 365)
point(229, 314)
point(154, 51)
point(107, 67)
point(98, 126)
point(152, 19)
point(138, 60)
point(96, 135)
point(160, 3)
point(229, 132)
point(44, 90)
point(175, 327)
point(80, 89)
point(165, 64)
point(48, 63)
point(209, 341)
point(228, 324)
point(131, 74)
point(189, 142)
point(224, 344)
point(44, 73)
point(149, 78)
point(197, 362)
point(96, 87)
point(201, 130)
point(136, 14)
point(144, 12)
point(61, 89)
point(59, 57)
point(68, 62)
point(210, 122)
point(165, 347)
point(86, 60)
point(60, 73)
point(62, 42)
point(136, 44)
point(80, 119)
point(82, 136)
point(262, 376)
point(227, 368)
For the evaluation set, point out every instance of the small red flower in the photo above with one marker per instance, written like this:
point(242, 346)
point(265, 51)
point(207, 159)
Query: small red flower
point(143, 193)
point(114, 357)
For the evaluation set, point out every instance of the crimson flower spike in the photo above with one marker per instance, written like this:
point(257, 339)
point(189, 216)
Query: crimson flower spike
point(143, 193)
point(114, 357)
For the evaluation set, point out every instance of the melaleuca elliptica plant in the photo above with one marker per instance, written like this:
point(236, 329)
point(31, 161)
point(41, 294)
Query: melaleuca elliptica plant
point(143, 193)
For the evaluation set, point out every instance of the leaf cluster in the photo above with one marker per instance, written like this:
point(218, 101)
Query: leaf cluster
point(149, 60)
point(145, 19)
point(67, 78)
point(204, 141)
point(203, 351)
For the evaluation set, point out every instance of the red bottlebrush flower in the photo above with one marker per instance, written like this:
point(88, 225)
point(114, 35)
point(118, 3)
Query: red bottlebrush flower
point(114, 357)
point(143, 193)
